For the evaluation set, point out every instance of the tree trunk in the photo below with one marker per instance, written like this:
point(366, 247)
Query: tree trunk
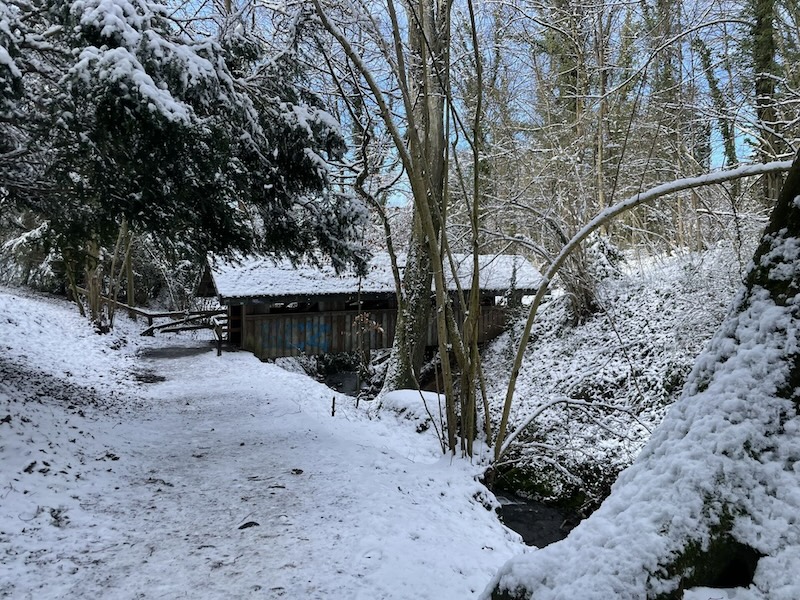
point(770, 144)
point(429, 36)
point(94, 284)
point(130, 282)
point(421, 67)
point(711, 499)
point(411, 333)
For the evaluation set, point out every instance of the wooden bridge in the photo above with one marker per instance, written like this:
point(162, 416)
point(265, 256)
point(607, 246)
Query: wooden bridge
point(274, 335)
point(276, 308)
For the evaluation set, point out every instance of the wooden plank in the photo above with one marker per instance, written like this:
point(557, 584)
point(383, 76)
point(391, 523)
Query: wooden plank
point(346, 333)
point(340, 322)
point(316, 336)
point(260, 329)
point(187, 328)
point(299, 334)
point(299, 331)
point(292, 336)
point(320, 334)
point(271, 332)
point(258, 336)
point(246, 334)
point(255, 335)
point(291, 333)
point(328, 334)
point(308, 324)
point(306, 338)
point(263, 327)
point(283, 337)
point(350, 334)
point(281, 345)
point(249, 334)
point(277, 335)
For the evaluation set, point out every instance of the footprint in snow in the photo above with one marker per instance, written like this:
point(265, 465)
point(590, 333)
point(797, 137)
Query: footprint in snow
point(373, 554)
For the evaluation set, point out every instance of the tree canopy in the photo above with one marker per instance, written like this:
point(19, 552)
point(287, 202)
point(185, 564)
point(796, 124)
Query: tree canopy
point(112, 111)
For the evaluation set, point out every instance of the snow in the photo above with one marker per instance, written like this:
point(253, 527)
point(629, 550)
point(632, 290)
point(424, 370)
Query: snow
point(141, 60)
point(599, 388)
point(118, 66)
point(8, 62)
point(124, 19)
point(154, 490)
point(309, 118)
point(8, 35)
point(423, 408)
point(727, 450)
point(703, 593)
point(258, 276)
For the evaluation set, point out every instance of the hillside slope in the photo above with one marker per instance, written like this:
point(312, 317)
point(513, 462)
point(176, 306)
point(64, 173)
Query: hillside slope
point(604, 384)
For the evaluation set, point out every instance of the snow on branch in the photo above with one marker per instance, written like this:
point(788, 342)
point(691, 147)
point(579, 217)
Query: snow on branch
point(601, 219)
point(664, 189)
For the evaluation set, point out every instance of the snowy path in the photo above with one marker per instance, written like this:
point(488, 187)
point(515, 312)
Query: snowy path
point(346, 507)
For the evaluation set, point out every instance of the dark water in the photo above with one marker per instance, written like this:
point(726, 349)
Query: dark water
point(537, 523)
point(345, 382)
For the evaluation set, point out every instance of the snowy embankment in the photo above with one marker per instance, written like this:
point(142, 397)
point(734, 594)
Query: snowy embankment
point(712, 501)
point(130, 472)
point(603, 385)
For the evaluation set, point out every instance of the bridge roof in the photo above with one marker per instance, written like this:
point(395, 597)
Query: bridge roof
point(261, 277)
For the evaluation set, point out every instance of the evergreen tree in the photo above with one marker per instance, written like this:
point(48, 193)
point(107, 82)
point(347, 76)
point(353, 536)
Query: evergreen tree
point(120, 118)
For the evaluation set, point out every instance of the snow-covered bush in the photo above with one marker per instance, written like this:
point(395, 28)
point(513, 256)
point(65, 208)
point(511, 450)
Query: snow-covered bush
point(23, 258)
point(423, 409)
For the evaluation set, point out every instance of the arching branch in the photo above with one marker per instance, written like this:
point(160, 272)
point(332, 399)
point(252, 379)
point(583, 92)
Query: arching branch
point(603, 218)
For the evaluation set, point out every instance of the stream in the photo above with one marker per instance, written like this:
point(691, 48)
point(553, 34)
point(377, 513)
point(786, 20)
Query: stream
point(537, 523)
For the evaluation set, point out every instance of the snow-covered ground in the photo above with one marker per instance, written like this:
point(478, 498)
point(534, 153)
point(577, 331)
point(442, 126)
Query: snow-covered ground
point(131, 472)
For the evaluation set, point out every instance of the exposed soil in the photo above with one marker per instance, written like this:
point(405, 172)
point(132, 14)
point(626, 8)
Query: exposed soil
point(175, 351)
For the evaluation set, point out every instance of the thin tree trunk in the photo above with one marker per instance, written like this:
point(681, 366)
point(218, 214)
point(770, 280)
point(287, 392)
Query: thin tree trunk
point(94, 284)
point(764, 49)
point(130, 281)
point(69, 269)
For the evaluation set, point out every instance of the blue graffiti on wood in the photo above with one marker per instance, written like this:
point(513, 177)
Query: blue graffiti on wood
point(279, 336)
